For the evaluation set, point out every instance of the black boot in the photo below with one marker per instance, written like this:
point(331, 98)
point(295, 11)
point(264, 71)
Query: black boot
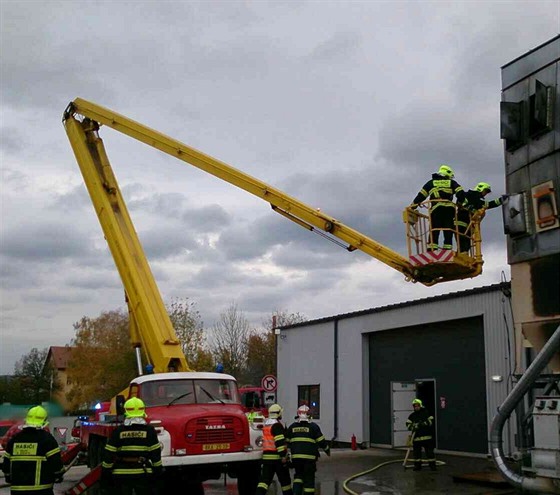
point(417, 466)
point(432, 466)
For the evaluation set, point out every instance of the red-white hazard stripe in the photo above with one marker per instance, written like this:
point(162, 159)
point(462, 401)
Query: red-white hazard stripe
point(439, 256)
point(86, 482)
point(79, 488)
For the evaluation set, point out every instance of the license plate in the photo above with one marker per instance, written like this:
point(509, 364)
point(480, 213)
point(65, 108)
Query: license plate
point(215, 446)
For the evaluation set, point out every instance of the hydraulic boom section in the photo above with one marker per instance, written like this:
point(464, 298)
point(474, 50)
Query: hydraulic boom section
point(82, 113)
point(150, 325)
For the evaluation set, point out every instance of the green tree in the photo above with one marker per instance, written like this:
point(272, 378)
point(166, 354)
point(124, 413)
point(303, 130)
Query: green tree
point(102, 361)
point(33, 380)
point(230, 336)
point(204, 361)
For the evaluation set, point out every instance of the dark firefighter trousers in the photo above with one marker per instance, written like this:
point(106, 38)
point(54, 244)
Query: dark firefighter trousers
point(428, 446)
point(442, 217)
point(463, 221)
point(304, 477)
point(268, 470)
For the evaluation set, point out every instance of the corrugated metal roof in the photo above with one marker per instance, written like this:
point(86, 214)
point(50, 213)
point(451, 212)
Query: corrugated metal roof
point(451, 295)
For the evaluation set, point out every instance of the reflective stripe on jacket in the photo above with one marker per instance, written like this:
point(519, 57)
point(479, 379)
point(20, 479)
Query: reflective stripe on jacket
point(274, 441)
point(32, 460)
point(421, 423)
point(441, 191)
point(133, 451)
point(304, 439)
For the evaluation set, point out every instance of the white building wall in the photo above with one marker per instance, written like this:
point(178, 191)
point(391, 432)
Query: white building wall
point(306, 356)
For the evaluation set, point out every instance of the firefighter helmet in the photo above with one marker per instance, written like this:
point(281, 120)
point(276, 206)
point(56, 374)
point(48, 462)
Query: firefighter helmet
point(274, 411)
point(36, 417)
point(483, 186)
point(134, 408)
point(446, 171)
point(417, 402)
point(303, 412)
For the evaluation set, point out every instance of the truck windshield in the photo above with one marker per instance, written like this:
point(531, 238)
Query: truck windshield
point(171, 392)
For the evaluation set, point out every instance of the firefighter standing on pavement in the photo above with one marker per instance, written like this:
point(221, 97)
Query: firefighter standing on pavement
point(440, 189)
point(305, 439)
point(275, 453)
point(132, 458)
point(474, 200)
point(421, 423)
point(32, 462)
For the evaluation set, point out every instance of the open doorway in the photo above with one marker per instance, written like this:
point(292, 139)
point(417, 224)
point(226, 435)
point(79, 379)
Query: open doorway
point(426, 392)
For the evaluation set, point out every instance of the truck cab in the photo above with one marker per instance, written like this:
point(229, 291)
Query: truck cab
point(196, 413)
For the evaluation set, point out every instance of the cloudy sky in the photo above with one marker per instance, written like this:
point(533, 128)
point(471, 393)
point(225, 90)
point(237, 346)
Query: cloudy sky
point(348, 106)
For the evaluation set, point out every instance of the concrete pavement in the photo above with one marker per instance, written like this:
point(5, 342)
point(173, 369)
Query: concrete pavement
point(388, 476)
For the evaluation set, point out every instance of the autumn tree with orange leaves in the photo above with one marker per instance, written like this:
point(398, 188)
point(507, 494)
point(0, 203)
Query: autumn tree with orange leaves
point(102, 361)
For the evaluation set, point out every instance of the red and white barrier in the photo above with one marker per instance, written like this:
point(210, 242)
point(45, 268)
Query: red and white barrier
point(438, 256)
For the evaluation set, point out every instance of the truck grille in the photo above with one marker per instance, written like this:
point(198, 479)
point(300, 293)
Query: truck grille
point(212, 430)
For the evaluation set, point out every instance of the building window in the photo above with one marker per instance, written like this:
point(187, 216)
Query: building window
point(540, 109)
point(511, 124)
point(310, 395)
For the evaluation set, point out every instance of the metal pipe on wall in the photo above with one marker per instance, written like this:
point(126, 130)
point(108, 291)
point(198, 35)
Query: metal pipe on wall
point(539, 485)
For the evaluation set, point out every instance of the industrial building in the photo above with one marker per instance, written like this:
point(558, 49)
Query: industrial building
point(462, 353)
point(360, 371)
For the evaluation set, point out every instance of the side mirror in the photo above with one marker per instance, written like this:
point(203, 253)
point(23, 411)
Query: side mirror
point(120, 405)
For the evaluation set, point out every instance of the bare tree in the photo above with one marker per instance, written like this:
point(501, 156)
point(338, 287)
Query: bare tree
point(230, 339)
point(189, 328)
point(283, 318)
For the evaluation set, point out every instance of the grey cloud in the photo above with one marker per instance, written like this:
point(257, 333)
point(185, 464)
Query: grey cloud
point(245, 242)
point(165, 241)
point(58, 297)
point(72, 201)
point(338, 48)
point(31, 241)
point(265, 301)
point(220, 276)
point(18, 274)
point(207, 219)
point(96, 280)
point(14, 179)
point(10, 139)
point(164, 205)
point(302, 258)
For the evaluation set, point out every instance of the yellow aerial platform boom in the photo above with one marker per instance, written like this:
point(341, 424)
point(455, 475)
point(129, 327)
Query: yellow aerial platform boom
point(82, 120)
point(150, 326)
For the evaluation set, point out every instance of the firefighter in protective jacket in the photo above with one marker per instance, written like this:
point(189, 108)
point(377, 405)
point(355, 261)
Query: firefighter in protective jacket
point(32, 462)
point(440, 189)
point(275, 453)
point(132, 458)
point(474, 200)
point(305, 438)
point(421, 424)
